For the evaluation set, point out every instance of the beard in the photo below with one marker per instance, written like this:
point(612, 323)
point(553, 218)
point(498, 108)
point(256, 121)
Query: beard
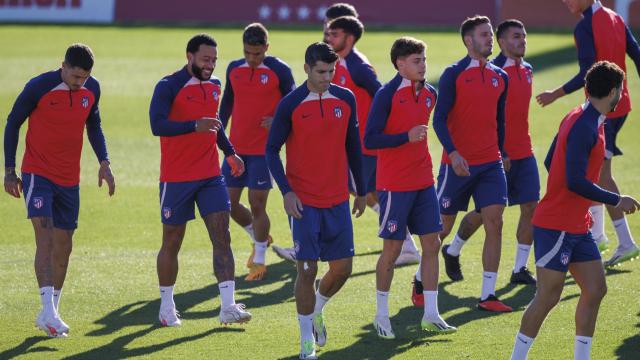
point(197, 72)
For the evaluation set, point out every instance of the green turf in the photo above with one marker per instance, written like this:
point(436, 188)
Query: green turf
point(111, 296)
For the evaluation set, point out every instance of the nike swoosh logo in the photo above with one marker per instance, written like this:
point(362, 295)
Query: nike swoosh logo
point(402, 101)
point(522, 340)
point(584, 342)
point(487, 277)
point(468, 80)
point(261, 182)
point(305, 116)
point(53, 103)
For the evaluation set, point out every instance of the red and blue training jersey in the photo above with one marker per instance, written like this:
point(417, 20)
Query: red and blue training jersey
point(574, 162)
point(517, 139)
point(396, 109)
point(355, 73)
point(178, 101)
point(470, 113)
point(601, 34)
point(323, 143)
point(250, 95)
point(57, 118)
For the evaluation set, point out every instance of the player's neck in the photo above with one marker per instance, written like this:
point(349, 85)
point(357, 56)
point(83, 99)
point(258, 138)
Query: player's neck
point(345, 52)
point(315, 89)
point(517, 59)
point(603, 106)
point(475, 56)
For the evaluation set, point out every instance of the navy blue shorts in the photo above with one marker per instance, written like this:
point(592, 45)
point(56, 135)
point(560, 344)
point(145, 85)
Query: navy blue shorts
point(487, 184)
point(178, 199)
point(369, 164)
point(256, 173)
point(417, 210)
point(325, 234)
point(611, 129)
point(555, 250)
point(523, 181)
point(46, 199)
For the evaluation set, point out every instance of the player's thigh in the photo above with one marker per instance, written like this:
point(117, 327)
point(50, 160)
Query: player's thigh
point(212, 196)
point(523, 181)
point(306, 234)
point(424, 216)
point(490, 187)
point(177, 201)
point(590, 277)
point(453, 191)
point(336, 233)
point(394, 212)
point(257, 173)
point(66, 207)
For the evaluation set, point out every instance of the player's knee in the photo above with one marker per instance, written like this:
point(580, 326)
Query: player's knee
point(596, 292)
point(307, 271)
point(445, 232)
point(431, 245)
point(343, 272)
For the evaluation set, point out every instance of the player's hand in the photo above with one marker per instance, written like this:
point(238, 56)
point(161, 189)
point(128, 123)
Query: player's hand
point(12, 183)
point(418, 133)
point(266, 122)
point(628, 204)
point(459, 164)
point(236, 164)
point(359, 204)
point(549, 96)
point(293, 205)
point(506, 162)
point(208, 124)
point(105, 174)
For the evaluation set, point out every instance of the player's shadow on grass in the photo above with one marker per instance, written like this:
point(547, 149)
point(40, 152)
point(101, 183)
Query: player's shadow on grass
point(27, 347)
point(146, 312)
point(630, 347)
point(406, 325)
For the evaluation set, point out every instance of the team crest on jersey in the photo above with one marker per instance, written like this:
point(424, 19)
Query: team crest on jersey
point(343, 80)
point(429, 103)
point(166, 212)
point(85, 102)
point(564, 258)
point(264, 79)
point(337, 111)
point(215, 95)
point(529, 77)
point(494, 82)
point(446, 202)
point(392, 226)
point(38, 202)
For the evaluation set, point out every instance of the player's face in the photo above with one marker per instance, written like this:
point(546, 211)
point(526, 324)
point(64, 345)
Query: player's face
point(576, 7)
point(413, 67)
point(514, 42)
point(320, 75)
point(254, 54)
point(337, 39)
point(203, 62)
point(74, 77)
point(616, 96)
point(482, 40)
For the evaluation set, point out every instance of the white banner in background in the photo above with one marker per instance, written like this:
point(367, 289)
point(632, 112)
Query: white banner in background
point(69, 11)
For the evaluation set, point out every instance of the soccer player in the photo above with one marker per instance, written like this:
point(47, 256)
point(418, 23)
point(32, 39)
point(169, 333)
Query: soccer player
point(523, 182)
point(601, 34)
point(469, 121)
point(397, 127)
point(59, 105)
point(354, 72)
point(561, 220)
point(255, 85)
point(333, 12)
point(317, 121)
point(183, 113)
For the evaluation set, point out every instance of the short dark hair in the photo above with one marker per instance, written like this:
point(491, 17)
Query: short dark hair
point(470, 24)
point(340, 9)
point(255, 34)
point(406, 46)
point(506, 25)
point(201, 39)
point(319, 51)
point(349, 24)
point(603, 77)
point(79, 55)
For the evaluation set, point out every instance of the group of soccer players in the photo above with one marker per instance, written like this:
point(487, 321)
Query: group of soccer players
point(346, 133)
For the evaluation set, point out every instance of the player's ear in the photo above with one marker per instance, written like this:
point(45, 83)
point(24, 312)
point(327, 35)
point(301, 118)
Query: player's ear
point(190, 57)
point(266, 47)
point(307, 69)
